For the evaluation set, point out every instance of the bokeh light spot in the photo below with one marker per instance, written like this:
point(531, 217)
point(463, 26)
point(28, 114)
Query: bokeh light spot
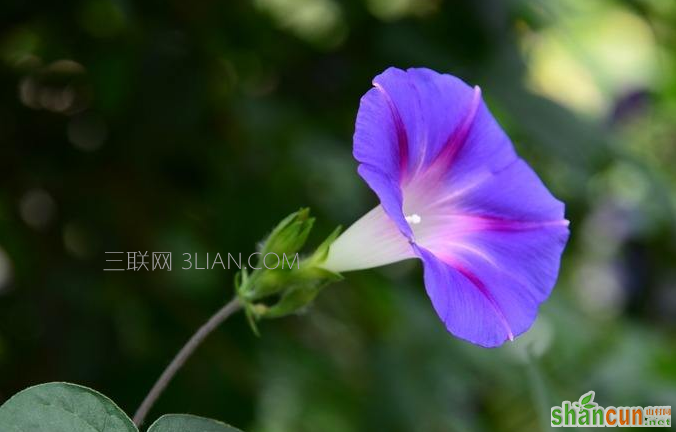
point(5, 271)
point(316, 21)
point(37, 208)
point(87, 131)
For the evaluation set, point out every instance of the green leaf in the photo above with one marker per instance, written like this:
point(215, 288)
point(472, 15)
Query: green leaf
point(590, 405)
point(63, 407)
point(587, 398)
point(189, 423)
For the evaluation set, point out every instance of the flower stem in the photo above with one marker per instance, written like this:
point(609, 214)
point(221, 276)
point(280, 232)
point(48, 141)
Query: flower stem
point(233, 306)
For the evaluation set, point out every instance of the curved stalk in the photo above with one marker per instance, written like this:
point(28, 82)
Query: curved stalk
point(179, 360)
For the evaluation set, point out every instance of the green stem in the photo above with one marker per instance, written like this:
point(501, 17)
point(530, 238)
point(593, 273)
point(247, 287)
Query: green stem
point(179, 360)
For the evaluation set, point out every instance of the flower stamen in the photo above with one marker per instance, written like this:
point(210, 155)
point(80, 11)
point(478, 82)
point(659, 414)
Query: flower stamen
point(413, 219)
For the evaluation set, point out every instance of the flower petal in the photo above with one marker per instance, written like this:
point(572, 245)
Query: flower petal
point(470, 309)
point(504, 240)
point(484, 150)
point(514, 193)
point(447, 109)
point(403, 124)
point(379, 146)
point(510, 272)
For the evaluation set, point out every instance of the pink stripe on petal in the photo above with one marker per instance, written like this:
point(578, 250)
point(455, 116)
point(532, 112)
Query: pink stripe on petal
point(486, 293)
point(500, 224)
point(402, 138)
point(489, 223)
point(456, 141)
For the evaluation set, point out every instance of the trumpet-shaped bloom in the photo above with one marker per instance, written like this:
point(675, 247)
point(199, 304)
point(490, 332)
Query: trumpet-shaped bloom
point(454, 194)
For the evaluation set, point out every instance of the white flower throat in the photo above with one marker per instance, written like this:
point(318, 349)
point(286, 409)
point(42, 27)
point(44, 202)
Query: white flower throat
point(372, 241)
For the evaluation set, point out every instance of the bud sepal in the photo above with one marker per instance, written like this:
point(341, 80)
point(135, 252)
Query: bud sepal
point(276, 292)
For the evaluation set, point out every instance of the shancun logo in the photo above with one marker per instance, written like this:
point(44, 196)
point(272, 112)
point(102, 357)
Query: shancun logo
point(586, 412)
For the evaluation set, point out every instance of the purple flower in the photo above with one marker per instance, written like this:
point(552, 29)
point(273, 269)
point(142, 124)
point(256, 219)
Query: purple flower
point(453, 193)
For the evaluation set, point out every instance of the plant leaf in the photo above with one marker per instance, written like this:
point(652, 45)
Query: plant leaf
point(189, 423)
point(587, 398)
point(63, 407)
point(590, 405)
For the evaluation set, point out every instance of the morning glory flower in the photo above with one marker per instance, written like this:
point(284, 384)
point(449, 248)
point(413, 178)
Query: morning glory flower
point(454, 194)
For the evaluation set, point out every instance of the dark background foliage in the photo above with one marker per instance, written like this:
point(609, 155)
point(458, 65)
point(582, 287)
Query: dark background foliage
point(195, 126)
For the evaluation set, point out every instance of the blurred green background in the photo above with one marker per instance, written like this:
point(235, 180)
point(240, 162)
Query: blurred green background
point(195, 126)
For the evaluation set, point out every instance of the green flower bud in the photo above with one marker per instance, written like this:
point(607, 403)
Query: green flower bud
point(285, 289)
point(289, 235)
point(301, 293)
